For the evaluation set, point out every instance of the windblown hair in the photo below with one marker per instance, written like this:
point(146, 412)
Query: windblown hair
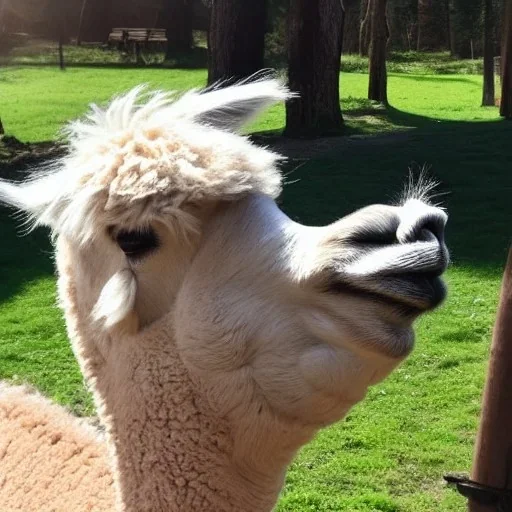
point(148, 155)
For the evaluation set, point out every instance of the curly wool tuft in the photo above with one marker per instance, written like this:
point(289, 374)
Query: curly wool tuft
point(147, 156)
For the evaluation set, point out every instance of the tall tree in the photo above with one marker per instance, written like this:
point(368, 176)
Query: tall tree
point(506, 64)
point(378, 81)
point(96, 20)
point(466, 27)
point(450, 11)
point(365, 28)
point(431, 25)
point(351, 25)
point(488, 90)
point(403, 24)
point(81, 22)
point(236, 41)
point(177, 20)
point(315, 35)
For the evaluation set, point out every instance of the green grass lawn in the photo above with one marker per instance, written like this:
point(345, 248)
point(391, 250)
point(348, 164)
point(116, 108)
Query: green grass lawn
point(37, 101)
point(391, 452)
point(420, 423)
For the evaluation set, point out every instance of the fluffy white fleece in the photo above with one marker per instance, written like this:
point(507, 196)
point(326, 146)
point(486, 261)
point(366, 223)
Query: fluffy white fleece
point(150, 155)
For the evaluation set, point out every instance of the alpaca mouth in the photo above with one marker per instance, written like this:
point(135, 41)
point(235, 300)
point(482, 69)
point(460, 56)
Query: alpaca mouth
point(407, 278)
point(421, 291)
point(408, 294)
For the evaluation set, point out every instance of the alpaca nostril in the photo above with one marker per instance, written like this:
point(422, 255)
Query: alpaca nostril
point(374, 237)
point(430, 230)
point(421, 223)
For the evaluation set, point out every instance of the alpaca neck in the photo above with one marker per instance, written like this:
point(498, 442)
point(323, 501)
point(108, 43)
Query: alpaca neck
point(171, 452)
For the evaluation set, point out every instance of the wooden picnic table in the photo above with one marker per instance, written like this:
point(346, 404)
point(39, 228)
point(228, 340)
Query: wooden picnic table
point(136, 39)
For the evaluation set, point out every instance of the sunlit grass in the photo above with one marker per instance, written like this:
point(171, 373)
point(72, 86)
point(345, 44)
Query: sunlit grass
point(417, 63)
point(37, 102)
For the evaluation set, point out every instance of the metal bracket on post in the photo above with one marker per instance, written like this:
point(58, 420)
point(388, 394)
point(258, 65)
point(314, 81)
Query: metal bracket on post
point(482, 494)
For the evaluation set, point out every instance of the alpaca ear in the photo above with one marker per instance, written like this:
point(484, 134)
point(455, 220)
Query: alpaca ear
point(12, 195)
point(230, 108)
point(32, 197)
point(25, 197)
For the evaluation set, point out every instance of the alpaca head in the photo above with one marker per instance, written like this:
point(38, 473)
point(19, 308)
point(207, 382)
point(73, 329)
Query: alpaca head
point(167, 215)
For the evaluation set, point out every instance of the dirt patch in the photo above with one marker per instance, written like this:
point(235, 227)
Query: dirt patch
point(16, 156)
point(305, 149)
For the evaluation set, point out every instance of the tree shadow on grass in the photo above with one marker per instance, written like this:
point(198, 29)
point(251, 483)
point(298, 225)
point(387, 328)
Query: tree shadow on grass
point(23, 259)
point(435, 78)
point(196, 58)
point(471, 161)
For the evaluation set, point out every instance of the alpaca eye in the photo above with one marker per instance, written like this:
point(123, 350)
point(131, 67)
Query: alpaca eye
point(136, 244)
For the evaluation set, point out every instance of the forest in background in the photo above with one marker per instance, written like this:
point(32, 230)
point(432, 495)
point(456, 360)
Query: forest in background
point(307, 36)
point(413, 25)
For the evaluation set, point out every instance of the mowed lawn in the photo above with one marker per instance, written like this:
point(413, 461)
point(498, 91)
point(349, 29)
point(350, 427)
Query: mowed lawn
point(38, 101)
point(391, 452)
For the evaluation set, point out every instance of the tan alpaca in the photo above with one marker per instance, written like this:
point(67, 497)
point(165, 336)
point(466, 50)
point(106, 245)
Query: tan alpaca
point(216, 335)
point(49, 460)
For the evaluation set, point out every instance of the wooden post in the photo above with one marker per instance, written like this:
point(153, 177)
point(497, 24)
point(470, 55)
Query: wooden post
point(492, 464)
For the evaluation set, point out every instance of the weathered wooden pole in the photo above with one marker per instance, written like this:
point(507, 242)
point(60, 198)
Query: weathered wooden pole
point(492, 464)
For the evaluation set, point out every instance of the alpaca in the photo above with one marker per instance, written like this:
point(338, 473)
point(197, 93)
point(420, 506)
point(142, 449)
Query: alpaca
point(216, 335)
point(49, 460)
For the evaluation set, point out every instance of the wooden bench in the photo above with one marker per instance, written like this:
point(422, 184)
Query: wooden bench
point(136, 39)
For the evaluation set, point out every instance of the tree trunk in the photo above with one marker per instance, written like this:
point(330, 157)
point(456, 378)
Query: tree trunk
point(506, 64)
point(236, 39)
point(448, 25)
point(351, 25)
point(2, 18)
point(81, 23)
point(451, 28)
point(402, 19)
point(467, 28)
point(61, 52)
point(315, 44)
point(177, 21)
point(377, 86)
point(97, 20)
point(365, 30)
point(488, 91)
point(61, 20)
point(431, 26)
